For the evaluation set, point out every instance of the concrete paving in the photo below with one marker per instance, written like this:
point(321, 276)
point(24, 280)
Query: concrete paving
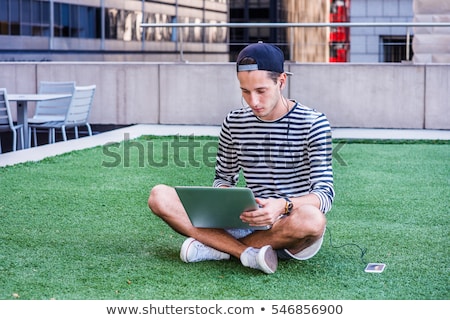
point(135, 131)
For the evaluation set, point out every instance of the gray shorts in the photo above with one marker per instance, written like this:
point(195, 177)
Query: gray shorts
point(305, 254)
point(284, 254)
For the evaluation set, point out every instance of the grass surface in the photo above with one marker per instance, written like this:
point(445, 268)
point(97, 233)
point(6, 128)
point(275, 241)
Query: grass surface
point(77, 226)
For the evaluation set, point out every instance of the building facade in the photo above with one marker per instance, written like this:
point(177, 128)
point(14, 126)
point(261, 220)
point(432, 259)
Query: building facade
point(109, 30)
point(431, 45)
point(381, 44)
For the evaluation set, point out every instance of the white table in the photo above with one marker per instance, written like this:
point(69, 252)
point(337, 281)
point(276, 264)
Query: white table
point(22, 107)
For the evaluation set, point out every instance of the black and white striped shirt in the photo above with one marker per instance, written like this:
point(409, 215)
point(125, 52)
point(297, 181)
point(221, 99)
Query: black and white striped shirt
point(288, 157)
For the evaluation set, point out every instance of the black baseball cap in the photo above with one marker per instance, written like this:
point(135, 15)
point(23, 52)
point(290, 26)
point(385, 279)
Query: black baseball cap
point(267, 56)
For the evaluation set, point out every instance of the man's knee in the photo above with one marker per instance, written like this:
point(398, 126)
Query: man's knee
point(156, 194)
point(313, 220)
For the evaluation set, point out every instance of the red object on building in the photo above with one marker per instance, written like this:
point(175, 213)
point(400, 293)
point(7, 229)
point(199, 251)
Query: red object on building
point(339, 34)
point(339, 41)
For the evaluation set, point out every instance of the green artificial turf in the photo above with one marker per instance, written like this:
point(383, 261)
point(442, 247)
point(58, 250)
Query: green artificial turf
point(77, 226)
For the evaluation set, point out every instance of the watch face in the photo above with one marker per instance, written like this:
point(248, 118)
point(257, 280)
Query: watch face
point(289, 206)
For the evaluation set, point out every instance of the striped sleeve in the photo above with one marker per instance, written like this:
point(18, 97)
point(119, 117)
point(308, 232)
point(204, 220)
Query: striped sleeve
point(320, 162)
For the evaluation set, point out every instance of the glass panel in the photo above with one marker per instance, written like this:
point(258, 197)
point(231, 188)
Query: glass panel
point(111, 24)
point(65, 20)
point(4, 25)
point(26, 11)
point(120, 25)
point(163, 33)
point(57, 20)
point(3, 11)
point(94, 21)
point(15, 22)
point(36, 18)
point(128, 26)
point(149, 32)
point(45, 19)
point(137, 25)
point(74, 24)
point(98, 23)
point(174, 36)
point(14, 11)
point(83, 22)
point(198, 31)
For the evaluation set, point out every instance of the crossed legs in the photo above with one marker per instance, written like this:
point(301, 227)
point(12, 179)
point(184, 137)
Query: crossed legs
point(303, 227)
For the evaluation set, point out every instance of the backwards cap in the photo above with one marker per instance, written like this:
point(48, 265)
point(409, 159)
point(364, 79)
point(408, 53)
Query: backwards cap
point(268, 57)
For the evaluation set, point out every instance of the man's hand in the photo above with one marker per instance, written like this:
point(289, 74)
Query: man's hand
point(268, 213)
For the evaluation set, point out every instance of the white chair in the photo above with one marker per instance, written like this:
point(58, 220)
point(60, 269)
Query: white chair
point(77, 114)
point(6, 121)
point(51, 110)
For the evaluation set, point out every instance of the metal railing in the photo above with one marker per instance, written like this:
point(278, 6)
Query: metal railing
point(292, 25)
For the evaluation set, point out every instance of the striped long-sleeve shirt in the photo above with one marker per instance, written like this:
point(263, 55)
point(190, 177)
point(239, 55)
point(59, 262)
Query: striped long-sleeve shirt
point(288, 157)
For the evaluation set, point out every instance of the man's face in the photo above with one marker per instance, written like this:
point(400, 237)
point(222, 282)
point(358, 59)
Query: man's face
point(262, 94)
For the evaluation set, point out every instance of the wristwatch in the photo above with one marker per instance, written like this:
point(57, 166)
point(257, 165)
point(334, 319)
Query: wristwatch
point(288, 207)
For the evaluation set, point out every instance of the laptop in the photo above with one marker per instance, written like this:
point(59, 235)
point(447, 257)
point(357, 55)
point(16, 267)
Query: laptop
point(210, 207)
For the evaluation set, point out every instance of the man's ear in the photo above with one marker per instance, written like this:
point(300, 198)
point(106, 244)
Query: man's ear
point(282, 81)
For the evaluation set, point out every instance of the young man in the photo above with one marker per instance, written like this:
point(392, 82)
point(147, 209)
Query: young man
point(284, 151)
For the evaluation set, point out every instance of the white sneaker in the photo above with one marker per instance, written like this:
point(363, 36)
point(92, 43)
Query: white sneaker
point(264, 259)
point(194, 251)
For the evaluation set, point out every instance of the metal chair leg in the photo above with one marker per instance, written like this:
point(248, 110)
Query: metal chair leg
point(14, 140)
point(63, 131)
point(89, 129)
point(22, 140)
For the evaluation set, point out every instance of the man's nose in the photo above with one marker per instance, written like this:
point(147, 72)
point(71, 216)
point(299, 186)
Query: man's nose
point(253, 100)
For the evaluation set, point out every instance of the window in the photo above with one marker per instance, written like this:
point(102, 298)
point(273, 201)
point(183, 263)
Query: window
point(76, 21)
point(394, 48)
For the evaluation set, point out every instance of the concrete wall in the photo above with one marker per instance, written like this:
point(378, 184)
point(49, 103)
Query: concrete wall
point(368, 95)
point(437, 97)
point(352, 95)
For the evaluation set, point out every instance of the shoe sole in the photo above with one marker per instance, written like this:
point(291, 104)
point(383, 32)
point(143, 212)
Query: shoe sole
point(268, 260)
